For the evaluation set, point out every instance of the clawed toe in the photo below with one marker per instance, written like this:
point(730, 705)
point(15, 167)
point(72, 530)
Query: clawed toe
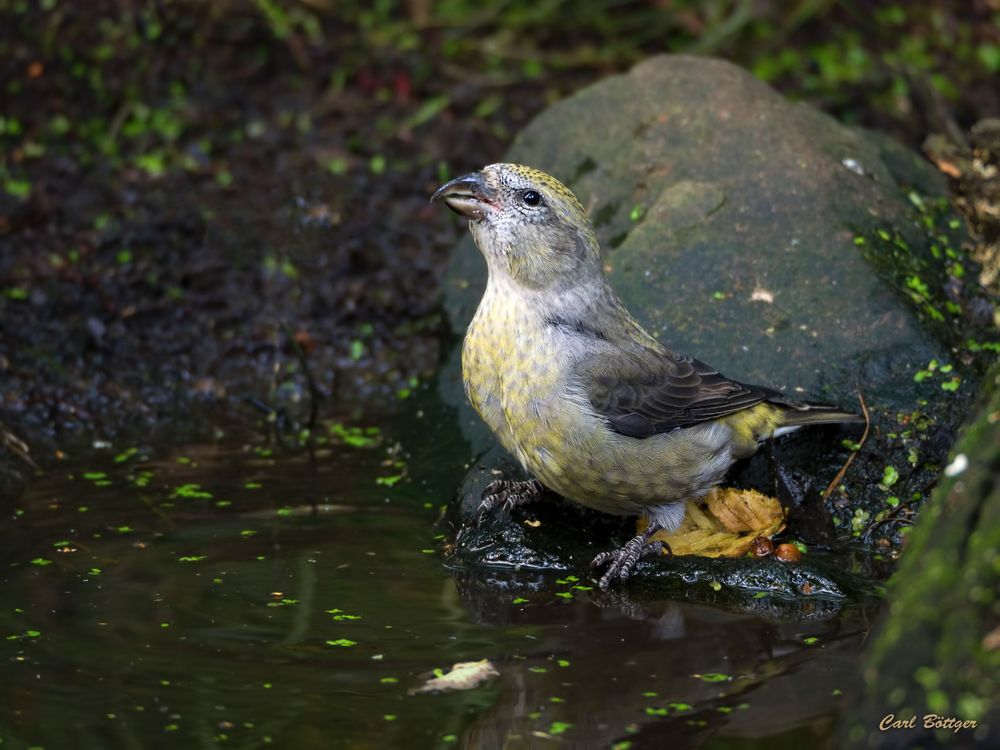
point(508, 494)
point(623, 561)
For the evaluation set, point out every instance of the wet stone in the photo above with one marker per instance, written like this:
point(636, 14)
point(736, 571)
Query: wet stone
point(554, 536)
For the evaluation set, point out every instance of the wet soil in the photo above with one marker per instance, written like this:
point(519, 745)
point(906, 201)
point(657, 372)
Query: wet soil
point(224, 204)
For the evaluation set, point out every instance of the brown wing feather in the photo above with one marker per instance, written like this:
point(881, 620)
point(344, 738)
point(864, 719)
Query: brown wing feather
point(647, 392)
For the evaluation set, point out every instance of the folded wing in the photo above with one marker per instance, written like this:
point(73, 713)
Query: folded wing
point(643, 392)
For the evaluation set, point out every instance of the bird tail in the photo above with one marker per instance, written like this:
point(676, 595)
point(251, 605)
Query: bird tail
point(799, 413)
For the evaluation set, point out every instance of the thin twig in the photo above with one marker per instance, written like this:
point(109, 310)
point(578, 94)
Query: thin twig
point(315, 394)
point(850, 459)
point(895, 517)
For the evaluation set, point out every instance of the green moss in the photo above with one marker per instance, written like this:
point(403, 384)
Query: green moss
point(930, 655)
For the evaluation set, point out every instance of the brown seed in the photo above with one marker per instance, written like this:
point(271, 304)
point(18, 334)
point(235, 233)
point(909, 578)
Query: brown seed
point(761, 547)
point(788, 553)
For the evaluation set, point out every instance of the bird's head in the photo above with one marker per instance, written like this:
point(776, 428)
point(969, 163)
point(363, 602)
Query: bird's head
point(527, 224)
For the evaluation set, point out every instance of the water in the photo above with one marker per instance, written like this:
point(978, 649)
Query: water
point(216, 595)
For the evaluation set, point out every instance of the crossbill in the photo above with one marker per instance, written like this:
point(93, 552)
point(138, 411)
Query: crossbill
point(591, 405)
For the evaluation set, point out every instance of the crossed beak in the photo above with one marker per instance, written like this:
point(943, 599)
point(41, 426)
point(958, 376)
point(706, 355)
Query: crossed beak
point(467, 196)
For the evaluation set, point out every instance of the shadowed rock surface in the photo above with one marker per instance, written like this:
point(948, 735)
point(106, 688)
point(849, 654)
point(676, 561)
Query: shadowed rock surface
point(781, 247)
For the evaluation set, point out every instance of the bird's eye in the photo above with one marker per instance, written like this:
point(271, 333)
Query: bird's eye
point(531, 198)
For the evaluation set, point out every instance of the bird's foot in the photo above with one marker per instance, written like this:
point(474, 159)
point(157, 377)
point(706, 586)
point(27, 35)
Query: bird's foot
point(508, 494)
point(623, 560)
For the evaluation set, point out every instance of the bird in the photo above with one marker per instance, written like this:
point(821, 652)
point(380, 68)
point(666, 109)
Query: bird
point(592, 406)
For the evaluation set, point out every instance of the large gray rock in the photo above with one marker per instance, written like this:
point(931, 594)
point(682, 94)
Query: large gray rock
point(781, 247)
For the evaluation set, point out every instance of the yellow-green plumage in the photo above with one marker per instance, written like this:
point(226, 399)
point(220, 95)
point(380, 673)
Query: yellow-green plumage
point(517, 378)
point(590, 404)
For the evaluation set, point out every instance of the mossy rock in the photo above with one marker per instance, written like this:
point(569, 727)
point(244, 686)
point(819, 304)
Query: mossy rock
point(785, 249)
point(937, 651)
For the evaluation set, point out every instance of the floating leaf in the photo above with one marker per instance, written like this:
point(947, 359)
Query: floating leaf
point(193, 491)
point(126, 455)
point(713, 677)
point(463, 676)
point(558, 727)
point(356, 437)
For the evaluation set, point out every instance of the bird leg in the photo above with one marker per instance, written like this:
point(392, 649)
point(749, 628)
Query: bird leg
point(623, 560)
point(508, 494)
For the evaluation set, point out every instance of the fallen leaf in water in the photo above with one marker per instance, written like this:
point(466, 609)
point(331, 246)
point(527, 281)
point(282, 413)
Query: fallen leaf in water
point(724, 524)
point(463, 676)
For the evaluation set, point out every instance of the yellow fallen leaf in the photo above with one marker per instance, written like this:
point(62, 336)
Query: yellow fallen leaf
point(723, 524)
point(463, 676)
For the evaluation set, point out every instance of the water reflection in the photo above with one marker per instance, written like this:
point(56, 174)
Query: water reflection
point(222, 595)
point(622, 668)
